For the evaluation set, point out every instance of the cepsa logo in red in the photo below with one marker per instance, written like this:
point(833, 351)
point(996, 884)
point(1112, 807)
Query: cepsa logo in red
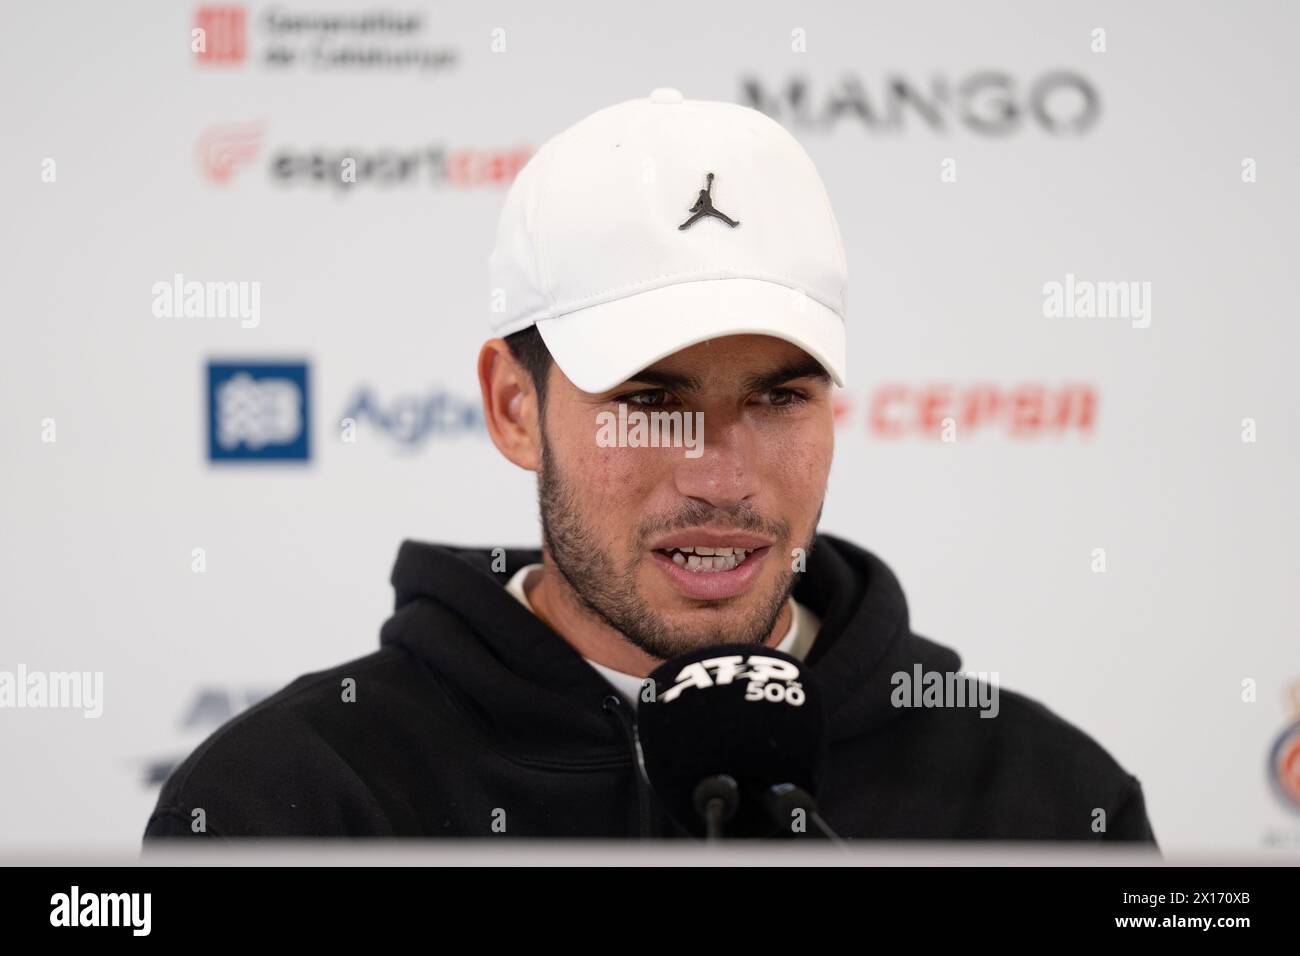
point(949, 411)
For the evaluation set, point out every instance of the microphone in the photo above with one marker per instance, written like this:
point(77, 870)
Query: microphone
point(786, 803)
point(716, 799)
point(742, 713)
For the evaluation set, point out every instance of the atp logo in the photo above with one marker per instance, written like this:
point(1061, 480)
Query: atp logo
point(770, 678)
point(258, 411)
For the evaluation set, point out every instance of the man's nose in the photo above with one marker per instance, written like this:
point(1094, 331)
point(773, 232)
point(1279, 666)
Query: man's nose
point(725, 472)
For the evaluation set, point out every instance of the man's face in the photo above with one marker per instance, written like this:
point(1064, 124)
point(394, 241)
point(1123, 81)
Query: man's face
point(626, 526)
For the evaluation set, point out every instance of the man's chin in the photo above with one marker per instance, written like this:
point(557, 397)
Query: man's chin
point(686, 625)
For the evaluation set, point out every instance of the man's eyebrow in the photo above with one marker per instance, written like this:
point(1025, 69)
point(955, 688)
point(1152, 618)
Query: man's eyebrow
point(801, 368)
point(675, 380)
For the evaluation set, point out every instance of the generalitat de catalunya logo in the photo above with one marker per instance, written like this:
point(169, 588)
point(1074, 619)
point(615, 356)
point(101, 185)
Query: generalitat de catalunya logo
point(352, 41)
point(258, 411)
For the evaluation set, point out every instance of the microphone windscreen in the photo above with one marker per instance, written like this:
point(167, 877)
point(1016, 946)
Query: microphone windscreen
point(744, 710)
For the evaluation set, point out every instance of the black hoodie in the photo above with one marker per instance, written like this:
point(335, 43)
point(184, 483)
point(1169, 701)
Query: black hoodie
point(474, 719)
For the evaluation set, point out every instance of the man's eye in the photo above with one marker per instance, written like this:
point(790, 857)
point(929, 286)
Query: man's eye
point(649, 397)
point(785, 397)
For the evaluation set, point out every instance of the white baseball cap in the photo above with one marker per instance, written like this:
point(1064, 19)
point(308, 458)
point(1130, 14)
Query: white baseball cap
point(658, 223)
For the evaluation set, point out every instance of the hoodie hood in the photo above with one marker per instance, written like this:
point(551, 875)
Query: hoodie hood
point(530, 692)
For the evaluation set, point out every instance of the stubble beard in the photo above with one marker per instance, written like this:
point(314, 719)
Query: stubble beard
point(605, 584)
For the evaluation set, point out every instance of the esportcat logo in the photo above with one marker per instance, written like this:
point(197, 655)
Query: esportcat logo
point(770, 678)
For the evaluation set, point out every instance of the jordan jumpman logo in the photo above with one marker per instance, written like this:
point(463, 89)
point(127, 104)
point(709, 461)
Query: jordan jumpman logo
point(704, 207)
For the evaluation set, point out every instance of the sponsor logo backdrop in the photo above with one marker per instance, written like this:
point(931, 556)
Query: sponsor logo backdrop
point(238, 370)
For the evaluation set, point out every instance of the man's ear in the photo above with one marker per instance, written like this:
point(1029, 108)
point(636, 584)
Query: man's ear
point(509, 404)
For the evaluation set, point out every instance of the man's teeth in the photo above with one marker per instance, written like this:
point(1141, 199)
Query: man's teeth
point(709, 559)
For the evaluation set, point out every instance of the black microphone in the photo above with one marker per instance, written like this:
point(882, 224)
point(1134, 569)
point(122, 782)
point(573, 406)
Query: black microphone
point(739, 711)
point(716, 799)
point(794, 807)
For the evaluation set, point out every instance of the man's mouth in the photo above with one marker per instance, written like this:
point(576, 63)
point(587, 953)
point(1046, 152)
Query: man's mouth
point(707, 560)
point(711, 572)
point(710, 564)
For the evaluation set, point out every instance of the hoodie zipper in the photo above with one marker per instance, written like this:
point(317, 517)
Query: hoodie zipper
point(613, 704)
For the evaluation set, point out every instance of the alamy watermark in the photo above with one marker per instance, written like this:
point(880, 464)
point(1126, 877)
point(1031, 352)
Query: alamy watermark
point(1085, 299)
point(132, 911)
point(922, 688)
point(179, 299)
point(652, 429)
point(53, 690)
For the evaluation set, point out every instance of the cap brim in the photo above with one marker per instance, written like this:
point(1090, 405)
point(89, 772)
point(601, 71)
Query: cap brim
point(604, 345)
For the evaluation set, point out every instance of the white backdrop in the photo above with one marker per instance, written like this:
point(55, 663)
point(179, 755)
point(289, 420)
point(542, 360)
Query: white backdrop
point(129, 159)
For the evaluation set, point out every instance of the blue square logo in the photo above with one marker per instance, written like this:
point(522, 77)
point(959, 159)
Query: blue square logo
point(258, 411)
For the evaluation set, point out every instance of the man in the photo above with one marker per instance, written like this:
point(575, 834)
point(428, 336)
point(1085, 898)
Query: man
point(504, 694)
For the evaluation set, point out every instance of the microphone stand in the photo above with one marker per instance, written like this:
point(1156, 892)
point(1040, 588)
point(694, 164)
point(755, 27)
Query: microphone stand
point(716, 800)
point(783, 798)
